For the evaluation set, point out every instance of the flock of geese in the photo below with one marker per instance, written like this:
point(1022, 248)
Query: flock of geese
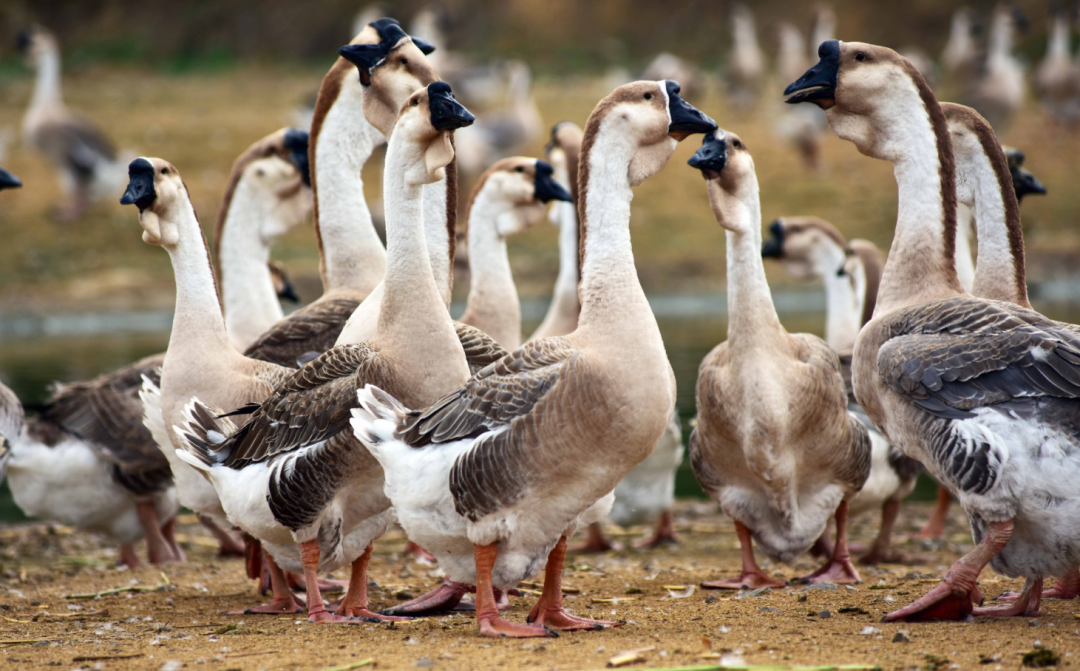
point(313, 433)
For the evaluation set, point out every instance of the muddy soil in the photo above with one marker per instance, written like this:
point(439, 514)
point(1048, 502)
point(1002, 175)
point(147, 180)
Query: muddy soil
point(182, 625)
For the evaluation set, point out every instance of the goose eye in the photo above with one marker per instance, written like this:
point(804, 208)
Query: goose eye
point(648, 96)
point(260, 173)
point(737, 144)
point(860, 57)
point(415, 102)
point(405, 62)
point(519, 169)
point(164, 171)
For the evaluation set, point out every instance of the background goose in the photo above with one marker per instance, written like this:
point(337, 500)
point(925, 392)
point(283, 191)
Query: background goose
point(509, 197)
point(774, 445)
point(747, 61)
point(808, 248)
point(960, 55)
point(11, 410)
point(983, 393)
point(320, 489)
point(1001, 88)
point(1057, 78)
point(500, 492)
point(505, 131)
point(87, 159)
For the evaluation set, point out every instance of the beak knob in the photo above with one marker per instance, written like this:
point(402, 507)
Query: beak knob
point(685, 118)
point(545, 187)
point(712, 157)
point(446, 112)
point(140, 190)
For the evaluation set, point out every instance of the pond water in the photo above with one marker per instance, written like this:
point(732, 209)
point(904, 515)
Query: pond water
point(37, 350)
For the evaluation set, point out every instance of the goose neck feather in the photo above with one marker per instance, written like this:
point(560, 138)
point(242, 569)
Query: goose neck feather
point(493, 305)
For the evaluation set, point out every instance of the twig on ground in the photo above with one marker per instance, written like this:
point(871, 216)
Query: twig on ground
point(98, 658)
point(354, 665)
point(164, 584)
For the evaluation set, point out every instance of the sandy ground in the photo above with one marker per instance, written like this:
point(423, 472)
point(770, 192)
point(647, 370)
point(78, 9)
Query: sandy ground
point(181, 625)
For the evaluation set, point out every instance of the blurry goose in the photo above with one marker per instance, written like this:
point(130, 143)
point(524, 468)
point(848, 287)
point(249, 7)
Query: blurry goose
point(11, 410)
point(1058, 77)
point(824, 26)
point(511, 463)
point(502, 132)
point(1000, 90)
point(983, 392)
point(960, 55)
point(801, 127)
point(791, 55)
point(317, 486)
point(509, 197)
point(747, 69)
point(808, 248)
point(669, 66)
point(775, 445)
point(87, 160)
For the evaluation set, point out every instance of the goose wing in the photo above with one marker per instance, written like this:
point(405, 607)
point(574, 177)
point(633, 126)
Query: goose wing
point(312, 328)
point(309, 406)
point(480, 349)
point(106, 413)
point(504, 405)
point(77, 143)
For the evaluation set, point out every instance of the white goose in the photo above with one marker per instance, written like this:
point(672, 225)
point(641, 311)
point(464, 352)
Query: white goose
point(747, 60)
point(87, 160)
point(775, 445)
point(809, 247)
point(11, 410)
point(317, 487)
point(1001, 89)
point(984, 393)
point(505, 471)
point(1058, 77)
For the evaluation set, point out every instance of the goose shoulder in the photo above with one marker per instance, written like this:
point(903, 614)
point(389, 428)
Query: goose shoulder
point(312, 328)
point(481, 350)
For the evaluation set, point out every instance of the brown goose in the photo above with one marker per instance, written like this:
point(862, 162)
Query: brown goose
point(986, 394)
point(493, 477)
point(319, 489)
point(809, 247)
point(774, 445)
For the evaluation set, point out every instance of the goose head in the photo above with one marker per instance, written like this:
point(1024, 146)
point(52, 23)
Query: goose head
point(392, 65)
point(283, 286)
point(1023, 181)
point(728, 169)
point(807, 247)
point(8, 181)
point(562, 151)
point(425, 121)
point(155, 187)
point(34, 42)
point(872, 96)
point(522, 187)
point(278, 186)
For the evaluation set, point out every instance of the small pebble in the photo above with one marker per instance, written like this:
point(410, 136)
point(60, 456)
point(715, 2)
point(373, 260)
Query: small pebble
point(424, 663)
point(824, 615)
point(902, 636)
point(403, 595)
point(711, 599)
point(821, 585)
point(1034, 622)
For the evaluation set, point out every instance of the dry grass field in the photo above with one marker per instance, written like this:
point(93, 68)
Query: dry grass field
point(181, 624)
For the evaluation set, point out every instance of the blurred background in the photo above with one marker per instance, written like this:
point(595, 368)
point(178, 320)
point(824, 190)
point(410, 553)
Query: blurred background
point(196, 82)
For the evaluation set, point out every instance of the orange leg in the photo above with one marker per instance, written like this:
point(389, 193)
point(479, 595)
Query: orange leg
point(487, 613)
point(1027, 604)
point(549, 611)
point(839, 568)
point(752, 576)
point(228, 546)
point(935, 526)
point(157, 548)
point(283, 601)
point(355, 603)
point(1066, 587)
point(663, 534)
point(169, 532)
point(951, 599)
point(882, 550)
point(595, 542)
point(128, 557)
point(421, 555)
point(317, 612)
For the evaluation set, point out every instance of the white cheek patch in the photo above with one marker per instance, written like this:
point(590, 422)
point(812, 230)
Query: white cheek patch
point(667, 100)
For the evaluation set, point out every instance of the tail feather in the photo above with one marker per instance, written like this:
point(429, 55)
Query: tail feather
point(376, 420)
point(201, 432)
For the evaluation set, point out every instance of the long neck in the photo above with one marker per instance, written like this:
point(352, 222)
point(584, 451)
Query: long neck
point(440, 224)
point(1058, 45)
point(566, 284)
point(198, 325)
point(1000, 41)
point(965, 258)
point(1000, 269)
point(611, 295)
point(493, 305)
point(752, 319)
point(47, 85)
point(921, 264)
point(352, 256)
point(411, 296)
point(844, 301)
point(247, 289)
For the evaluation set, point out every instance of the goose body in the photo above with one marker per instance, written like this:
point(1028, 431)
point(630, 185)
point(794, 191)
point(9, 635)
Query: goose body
point(11, 410)
point(1001, 89)
point(747, 60)
point(775, 445)
point(503, 132)
point(982, 392)
point(499, 491)
point(1058, 76)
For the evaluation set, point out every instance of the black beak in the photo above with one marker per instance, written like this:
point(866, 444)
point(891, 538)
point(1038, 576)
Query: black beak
point(8, 181)
point(424, 46)
point(545, 187)
point(1026, 183)
point(140, 191)
point(711, 158)
point(22, 41)
point(446, 112)
point(818, 85)
point(773, 248)
point(296, 143)
point(288, 291)
point(685, 118)
point(366, 57)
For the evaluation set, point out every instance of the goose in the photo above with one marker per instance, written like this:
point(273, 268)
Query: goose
point(11, 410)
point(319, 488)
point(86, 459)
point(1001, 89)
point(508, 197)
point(824, 26)
point(500, 492)
point(960, 55)
point(85, 156)
point(563, 151)
point(747, 68)
point(800, 127)
point(1058, 77)
point(980, 391)
point(779, 467)
point(809, 247)
point(791, 55)
point(502, 132)
point(669, 66)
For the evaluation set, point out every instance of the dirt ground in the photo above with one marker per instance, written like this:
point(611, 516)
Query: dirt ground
point(182, 625)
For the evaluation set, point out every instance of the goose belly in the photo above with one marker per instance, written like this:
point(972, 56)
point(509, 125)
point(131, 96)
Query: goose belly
point(884, 482)
point(649, 488)
point(69, 484)
point(782, 533)
point(243, 497)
